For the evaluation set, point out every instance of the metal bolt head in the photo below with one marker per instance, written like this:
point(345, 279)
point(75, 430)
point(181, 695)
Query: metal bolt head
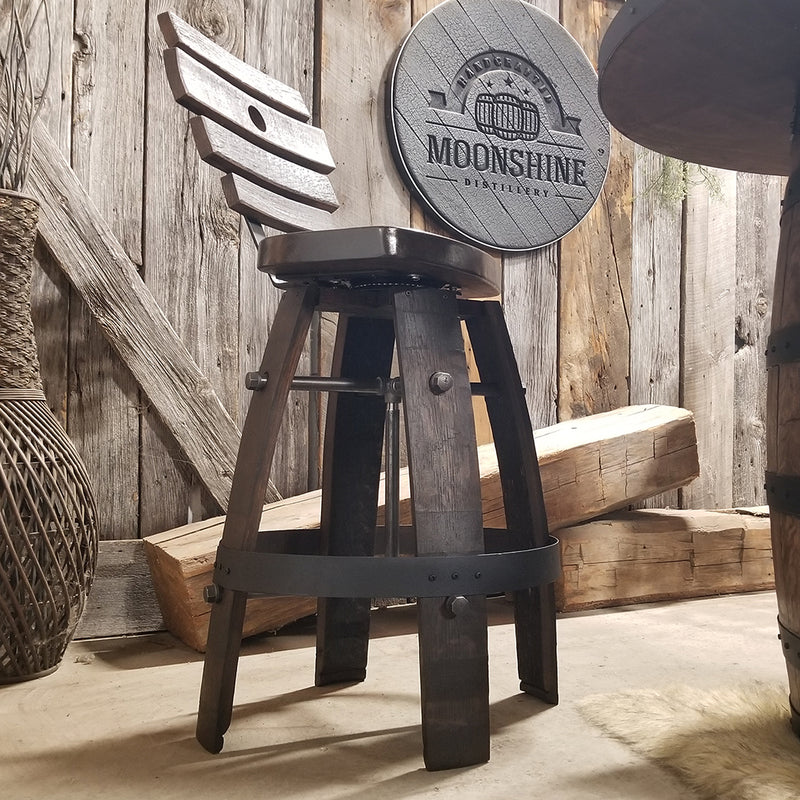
point(212, 593)
point(455, 606)
point(440, 382)
point(255, 381)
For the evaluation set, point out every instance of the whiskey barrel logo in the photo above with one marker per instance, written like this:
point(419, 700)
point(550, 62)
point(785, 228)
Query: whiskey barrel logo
point(506, 116)
point(505, 143)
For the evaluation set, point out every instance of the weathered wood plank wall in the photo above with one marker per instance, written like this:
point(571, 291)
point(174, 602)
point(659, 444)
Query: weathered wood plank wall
point(653, 298)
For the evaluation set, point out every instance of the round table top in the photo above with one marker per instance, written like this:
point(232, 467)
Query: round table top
point(713, 82)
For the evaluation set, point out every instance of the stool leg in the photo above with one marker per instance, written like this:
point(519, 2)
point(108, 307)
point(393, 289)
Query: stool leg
point(534, 608)
point(351, 476)
point(445, 489)
point(253, 463)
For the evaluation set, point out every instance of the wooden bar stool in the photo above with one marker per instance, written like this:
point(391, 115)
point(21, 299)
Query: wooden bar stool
point(393, 288)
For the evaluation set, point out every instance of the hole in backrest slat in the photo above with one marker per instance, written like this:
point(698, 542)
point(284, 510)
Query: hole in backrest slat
point(178, 33)
point(206, 93)
point(258, 120)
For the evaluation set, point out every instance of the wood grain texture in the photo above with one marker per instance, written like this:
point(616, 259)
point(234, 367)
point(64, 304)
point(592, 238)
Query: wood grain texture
point(181, 565)
point(99, 269)
point(655, 310)
point(103, 407)
point(419, 219)
point(530, 304)
point(626, 456)
point(295, 467)
point(655, 290)
point(50, 292)
point(190, 263)
point(708, 290)
point(352, 71)
point(523, 501)
point(589, 467)
point(228, 152)
point(250, 483)
point(204, 92)
point(783, 425)
point(354, 438)
point(278, 37)
point(122, 601)
point(650, 555)
point(272, 209)
point(178, 33)
point(679, 81)
point(595, 278)
point(758, 201)
point(445, 486)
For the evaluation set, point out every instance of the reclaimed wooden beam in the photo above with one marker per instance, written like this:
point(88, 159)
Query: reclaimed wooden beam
point(664, 554)
point(85, 248)
point(122, 601)
point(589, 467)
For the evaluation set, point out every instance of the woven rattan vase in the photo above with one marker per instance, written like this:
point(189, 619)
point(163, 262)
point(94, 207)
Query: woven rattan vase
point(48, 518)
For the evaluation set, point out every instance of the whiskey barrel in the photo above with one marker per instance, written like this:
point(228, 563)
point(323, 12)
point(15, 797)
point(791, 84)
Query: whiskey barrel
point(783, 438)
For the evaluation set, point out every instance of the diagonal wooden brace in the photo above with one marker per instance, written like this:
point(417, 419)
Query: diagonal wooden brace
point(94, 261)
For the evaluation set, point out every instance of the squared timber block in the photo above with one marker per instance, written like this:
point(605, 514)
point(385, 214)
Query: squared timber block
point(664, 554)
point(589, 466)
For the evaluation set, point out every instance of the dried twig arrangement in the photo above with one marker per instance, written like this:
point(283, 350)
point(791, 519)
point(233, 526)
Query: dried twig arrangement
point(20, 99)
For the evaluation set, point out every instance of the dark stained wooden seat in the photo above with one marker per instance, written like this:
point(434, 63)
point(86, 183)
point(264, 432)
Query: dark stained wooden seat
point(394, 289)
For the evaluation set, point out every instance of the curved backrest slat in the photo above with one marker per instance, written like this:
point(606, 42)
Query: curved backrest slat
point(230, 153)
point(179, 33)
point(204, 92)
point(255, 130)
point(268, 208)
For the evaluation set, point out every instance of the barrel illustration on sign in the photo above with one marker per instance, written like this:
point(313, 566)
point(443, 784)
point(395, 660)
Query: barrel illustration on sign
point(506, 116)
point(494, 122)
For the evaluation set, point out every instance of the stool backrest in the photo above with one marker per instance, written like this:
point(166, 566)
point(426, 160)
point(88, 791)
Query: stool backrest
point(254, 129)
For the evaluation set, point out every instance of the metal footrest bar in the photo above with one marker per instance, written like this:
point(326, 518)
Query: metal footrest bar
point(379, 576)
point(306, 541)
point(256, 381)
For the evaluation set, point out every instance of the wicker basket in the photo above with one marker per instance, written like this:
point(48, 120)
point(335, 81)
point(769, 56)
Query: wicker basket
point(48, 517)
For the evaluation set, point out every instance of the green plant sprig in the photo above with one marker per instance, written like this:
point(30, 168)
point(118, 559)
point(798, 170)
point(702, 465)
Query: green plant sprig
point(676, 177)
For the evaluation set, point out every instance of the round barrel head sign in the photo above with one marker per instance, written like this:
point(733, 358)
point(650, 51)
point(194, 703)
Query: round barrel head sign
point(495, 124)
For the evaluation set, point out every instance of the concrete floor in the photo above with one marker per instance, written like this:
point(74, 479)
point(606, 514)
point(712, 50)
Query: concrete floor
point(116, 720)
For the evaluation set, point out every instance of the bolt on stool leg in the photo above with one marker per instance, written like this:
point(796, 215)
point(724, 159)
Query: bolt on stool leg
point(448, 516)
point(248, 492)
